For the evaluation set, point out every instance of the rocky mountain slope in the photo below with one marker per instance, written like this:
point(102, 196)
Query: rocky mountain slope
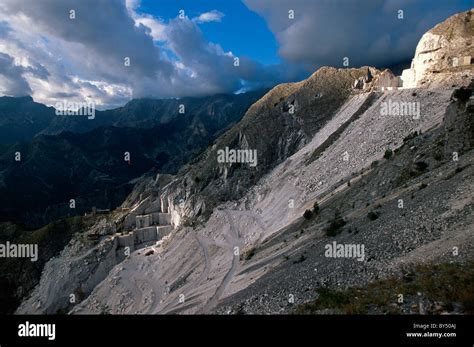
point(343, 157)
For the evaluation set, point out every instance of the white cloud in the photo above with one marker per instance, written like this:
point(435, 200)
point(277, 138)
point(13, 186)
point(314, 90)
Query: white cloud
point(156, 27)
point(132, 5)
point(211, 16)
point(83, 58)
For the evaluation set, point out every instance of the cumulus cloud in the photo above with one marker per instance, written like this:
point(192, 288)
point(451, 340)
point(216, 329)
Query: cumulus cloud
point(156, 27)
point(103, 29)
point(368, 32)
point(213, 70)
point(86, 53)
point(211, 16)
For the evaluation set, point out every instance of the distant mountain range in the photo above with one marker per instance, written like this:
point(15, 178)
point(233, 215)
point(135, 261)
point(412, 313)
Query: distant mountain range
point(73, 157)
point(21, 118)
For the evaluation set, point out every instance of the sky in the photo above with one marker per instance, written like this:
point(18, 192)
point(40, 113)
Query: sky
point(110, 51)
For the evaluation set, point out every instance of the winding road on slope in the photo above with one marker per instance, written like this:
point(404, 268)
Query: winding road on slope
point(233, 241)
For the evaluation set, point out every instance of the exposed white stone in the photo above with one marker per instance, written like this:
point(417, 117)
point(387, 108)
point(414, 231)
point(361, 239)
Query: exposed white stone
point(448, 45)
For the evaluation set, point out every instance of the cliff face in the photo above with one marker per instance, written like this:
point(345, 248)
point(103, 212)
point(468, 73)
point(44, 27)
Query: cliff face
point(448, 46)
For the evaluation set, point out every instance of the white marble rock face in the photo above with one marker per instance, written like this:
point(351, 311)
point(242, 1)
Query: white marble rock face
point(441, 48)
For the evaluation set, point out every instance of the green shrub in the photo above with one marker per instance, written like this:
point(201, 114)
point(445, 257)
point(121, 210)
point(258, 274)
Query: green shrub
point(307, 214)
point(388, 154)
point(410, 136)
point(301, 259)
point(335, 224)
point(463, 94)
point(438, 155)
point(250, 253)
point(315, 207)
point(421, 166)
point(104, 309)
point(373, 215)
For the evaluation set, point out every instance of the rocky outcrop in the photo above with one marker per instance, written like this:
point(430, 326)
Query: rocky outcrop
point(364, 82)
point(446, 47)
point(386, 80)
